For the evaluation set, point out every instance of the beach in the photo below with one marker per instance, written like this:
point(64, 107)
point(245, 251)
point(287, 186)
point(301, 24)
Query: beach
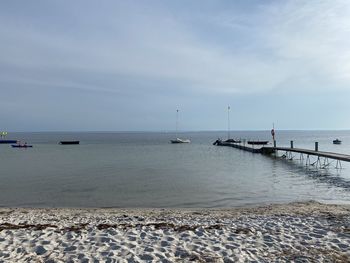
point(300, 232)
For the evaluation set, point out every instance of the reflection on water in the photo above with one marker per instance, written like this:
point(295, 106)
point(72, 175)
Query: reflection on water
point(145, 170)
point(329, 175)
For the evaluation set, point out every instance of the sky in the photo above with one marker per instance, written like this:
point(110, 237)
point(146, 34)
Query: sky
point(114, 65)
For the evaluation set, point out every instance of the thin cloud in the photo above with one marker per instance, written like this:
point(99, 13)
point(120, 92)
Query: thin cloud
point(164, 53)
point(152, 46)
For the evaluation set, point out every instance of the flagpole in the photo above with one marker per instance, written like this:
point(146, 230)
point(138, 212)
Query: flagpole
point(273, 134)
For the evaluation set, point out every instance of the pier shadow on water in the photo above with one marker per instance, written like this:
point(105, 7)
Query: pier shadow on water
point(329, 175)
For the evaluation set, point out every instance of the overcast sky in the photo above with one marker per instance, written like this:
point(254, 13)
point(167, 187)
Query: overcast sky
point(128, 65)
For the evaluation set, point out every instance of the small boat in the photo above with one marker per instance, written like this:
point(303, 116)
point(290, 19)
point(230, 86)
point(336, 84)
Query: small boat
point(258, 142)
point(8, 141)
point(21, 146)
point(178, 140)
point(336, 141)
point(69, 142)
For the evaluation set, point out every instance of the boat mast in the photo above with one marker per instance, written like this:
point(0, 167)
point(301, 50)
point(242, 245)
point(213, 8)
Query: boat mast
point(177, 121)
point(228, 122)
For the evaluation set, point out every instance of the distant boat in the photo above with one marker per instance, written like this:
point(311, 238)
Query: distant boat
point(2, 138)
point(21, 146)
point(336, 141)
point(69, 142)
point(258, 142)
point(178, 140)
point(8, 141)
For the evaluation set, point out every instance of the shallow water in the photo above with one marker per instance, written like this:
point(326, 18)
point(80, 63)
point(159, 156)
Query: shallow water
point(145, 170)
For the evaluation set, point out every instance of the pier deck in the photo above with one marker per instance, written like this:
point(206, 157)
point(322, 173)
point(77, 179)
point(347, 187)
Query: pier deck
point(270, 149)
point(330, 155)
point(241, 147)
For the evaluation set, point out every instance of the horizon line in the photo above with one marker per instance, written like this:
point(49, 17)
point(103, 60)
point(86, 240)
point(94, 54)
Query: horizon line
point(168, 131)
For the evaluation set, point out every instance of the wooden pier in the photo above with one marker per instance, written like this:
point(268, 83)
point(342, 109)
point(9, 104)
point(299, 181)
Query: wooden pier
point(240, 146)
point(330, 155)
point(289, 150)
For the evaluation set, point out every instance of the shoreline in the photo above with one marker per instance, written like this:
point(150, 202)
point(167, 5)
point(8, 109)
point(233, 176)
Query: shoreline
point(305, 231)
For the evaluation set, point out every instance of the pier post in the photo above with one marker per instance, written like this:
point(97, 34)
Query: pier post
point(316, 146)
point(274, 143)
point(291, 144)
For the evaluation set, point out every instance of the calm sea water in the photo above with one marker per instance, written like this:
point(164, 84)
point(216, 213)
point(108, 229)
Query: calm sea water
point(145, 170)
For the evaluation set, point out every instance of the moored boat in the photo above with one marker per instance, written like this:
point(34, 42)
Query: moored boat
point(178, 140)
point(69, 142)
point(336, 141)
point(258, 142)
point(21, 146)
point(7, 141)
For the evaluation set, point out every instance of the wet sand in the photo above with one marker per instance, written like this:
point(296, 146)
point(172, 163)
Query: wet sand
point(299, 232)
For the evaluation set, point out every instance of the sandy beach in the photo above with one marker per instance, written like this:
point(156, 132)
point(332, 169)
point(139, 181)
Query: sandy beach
point(299, 232)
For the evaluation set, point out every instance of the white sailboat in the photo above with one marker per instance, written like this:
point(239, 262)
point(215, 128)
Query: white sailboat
point(178, 140)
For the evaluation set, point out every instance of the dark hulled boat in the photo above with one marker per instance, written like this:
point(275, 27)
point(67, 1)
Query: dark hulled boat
point(69, 142)
point(8, 141)
point(21, 146)
point(258, 142)
point(337, 141)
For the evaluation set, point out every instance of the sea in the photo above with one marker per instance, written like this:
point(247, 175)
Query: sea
point(143, 169)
